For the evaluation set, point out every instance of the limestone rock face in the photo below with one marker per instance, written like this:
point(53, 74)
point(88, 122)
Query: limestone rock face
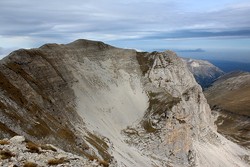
point(110, 105)
point(177, 102)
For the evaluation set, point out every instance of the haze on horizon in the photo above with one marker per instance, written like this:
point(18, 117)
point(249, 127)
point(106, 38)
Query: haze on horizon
point(200, 29)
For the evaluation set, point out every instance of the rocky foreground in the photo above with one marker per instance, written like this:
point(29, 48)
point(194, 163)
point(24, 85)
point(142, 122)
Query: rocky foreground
point(18, 152)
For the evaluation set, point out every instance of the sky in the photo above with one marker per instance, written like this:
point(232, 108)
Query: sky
point(212, 29)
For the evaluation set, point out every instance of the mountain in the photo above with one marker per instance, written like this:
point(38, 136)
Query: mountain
point(114, 106)
point(230, 96)
point(204, 72)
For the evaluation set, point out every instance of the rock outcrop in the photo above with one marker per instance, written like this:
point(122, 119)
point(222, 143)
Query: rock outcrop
point(19, 152)
point(118, 106)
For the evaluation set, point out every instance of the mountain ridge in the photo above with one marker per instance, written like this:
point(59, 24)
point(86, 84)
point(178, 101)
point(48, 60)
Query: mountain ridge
point(124, 107)
point(204, 72)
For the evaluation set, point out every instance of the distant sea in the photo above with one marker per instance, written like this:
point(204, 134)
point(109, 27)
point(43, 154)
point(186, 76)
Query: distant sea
point(228, 66)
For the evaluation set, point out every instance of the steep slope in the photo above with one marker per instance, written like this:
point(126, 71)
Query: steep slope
point(230, 95)
point(117, 106)
point(204, 72)
point(36, 98)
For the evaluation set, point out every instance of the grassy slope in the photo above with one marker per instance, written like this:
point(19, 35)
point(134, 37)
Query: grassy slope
point(230, 95)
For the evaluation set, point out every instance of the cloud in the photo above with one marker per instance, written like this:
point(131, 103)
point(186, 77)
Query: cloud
point(1, 50)
point(199, 50)
point(210, 33)
point(108, 20)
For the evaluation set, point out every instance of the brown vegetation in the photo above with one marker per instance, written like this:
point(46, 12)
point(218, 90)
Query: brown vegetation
point(144, 61)
point(100, 145)
point(4, 142)
point(30, 164)
point(103, 163)
point(6, 154)
point(229, 97)
point(148, 126)
point(57, 161)
point(48, 147)
point(34, 148)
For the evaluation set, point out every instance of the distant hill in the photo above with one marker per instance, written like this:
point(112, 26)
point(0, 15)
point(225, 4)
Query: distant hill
point(204, 72)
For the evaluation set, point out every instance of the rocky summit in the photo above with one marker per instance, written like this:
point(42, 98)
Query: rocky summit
point(110, 106)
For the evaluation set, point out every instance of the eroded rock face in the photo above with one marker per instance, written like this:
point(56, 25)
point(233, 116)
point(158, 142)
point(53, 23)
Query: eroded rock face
point(120, 106)
point(177, 113)
point(36, 98)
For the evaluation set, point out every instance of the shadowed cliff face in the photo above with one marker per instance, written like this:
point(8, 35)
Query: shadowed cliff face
point(118, 106)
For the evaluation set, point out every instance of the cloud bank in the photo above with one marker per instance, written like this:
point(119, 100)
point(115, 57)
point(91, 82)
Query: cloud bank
point(30, 23)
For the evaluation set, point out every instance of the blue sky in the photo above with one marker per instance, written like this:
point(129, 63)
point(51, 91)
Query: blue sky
point(219, 28)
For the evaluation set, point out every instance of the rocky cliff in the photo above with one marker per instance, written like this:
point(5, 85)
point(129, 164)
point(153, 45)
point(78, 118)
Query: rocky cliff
point(117, 106)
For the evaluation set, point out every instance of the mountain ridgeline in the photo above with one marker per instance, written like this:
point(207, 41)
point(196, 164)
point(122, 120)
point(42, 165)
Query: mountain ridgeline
point(115, 106)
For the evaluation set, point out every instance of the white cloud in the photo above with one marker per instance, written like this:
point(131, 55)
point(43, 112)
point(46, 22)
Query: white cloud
point(30, 23)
